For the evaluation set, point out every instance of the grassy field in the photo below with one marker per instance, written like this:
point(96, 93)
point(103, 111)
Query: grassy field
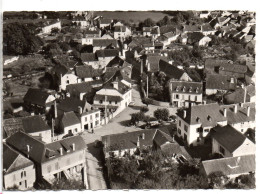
point(136, 16)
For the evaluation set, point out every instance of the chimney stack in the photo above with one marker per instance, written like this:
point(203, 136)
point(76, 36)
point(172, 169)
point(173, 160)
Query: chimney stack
point(115, 85)
point(80, 109)
point(73, 147)
point(61, 151)
point(138, 141)
point(55, 110)
point(28, 148)
point(248, 111)
point(235, 108)
point(204, 102)
point(225, 112)
point(143, 136)
point(184, 113)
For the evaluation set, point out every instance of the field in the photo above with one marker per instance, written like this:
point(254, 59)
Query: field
point(136, 16)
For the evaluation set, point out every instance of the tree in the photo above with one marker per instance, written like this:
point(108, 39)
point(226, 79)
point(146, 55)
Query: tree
point(62, 184)
point(64, 46)
point(161, 114)
point(148, 22)
point(136, 117)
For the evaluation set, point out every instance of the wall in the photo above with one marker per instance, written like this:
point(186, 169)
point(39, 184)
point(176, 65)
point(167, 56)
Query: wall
point(74, 128)
point(247, 148)
point(89, 120)
point(46, 135)
point(185, 97)
point(68, 77)
point(14, 178)
point(215, 149)
point(242, 127)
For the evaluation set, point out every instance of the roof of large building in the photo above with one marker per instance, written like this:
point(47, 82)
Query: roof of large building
point(228, 137)
point(170, 70)
point(231, 165)
point(186, 87)
point(221, 82)
point(36, 96)
point(104, 42)
point(107, 53)
point(69, 119)
point(12, 160)
point(31, 124)
point(41, 152)
point(212, 63)
point(204, 114)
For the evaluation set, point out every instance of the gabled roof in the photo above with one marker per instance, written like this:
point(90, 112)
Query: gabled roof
point(154, 62)
point(83, 87)
point(205, 115)
point(104, 42)
point(238, 95)
point(186, 87)
point(70, 104)
point(161, 138)
point(221, 82)
point(170, 70)
point(212, 63)
point(122, 88)
point(69, 119)
point(36, 96)
point(116, 61)
point(228, 137)
point(108, 98)
point(60, 70)
point(40, 152)
point(167, 28)
point(169, 34)
point(12, 160)
point(234, 68)
point(191, 28)
point(31, 124)
point(206, 27)
point(231, 165)
point(107, 53)
point(87, 57)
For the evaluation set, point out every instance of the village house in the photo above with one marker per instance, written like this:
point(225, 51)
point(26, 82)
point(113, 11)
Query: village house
point(105, 23)
point(18, 171)
point(54, 24)
point(87, 73)
point(69, 104)
point(241, 116)
point(80, 90)
point(194, 123)
point(185, 93)
point(237, 71)
point(212, 65)
point(205, 41)
point(152, 62)
point(114, 95)
point(90, 35)
point(121, 32)
point(231, 167)
point(228, 142)
point(33, 125)
point(39, 101)
point(219, 83)
point(129, 143)
point(89, 59)
point(53, 160)
point(80, 21)
point(191, 29)
point(89, 119)
point(147, 31)
point(105, 56)
point(100, 44)
point(241, 95)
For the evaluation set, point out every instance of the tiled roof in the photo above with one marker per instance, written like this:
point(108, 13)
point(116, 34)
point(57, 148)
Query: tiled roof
point(169, 34)
point(221, 82)
point(228, 137)
point(161, 138)
point(206, 27)
point(39, 151)
point(170, 70)
point(104, 42)
point(186, 87)
point(122, 88)
point(88, 57)
point(13, 161)
point(31, 124)
point(231, 165)
point(107, 53)
point(60, 70)
point(211, 63)
point(234, 68)
point(191, 28)
point(206, 115)
point(69, 119)
point(87, 71)
point(84, 87)
point(154, 62)
point(36, 96)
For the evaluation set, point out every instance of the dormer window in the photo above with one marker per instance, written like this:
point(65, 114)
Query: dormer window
point(209, 118)
point(197, 90)
point(198, 119)
point(184, 89)
point(190, 90)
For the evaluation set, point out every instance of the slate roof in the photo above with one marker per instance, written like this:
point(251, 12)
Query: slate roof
point(238, 95)
point(69, 119)
point(60, 70)
point(234, 68)
point(154, 62)
point(206, 27)
point(13, 161)
point(186, 87)
point(36, 96)
point(200, 114)
point(107, 53)
point(108, 98)
point(78, 88)
point(120, 29)
point(87, 71)
point(170, 70)
point(191, 28)
point(31, 124)
point(231, 165)
point(161, 138)
point(88, 57)
point(104, 42)
point(70, 104)
point(221, 82)
point(41, 152)
point(212, 63)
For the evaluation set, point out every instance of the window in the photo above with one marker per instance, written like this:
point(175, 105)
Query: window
point(186, 128)
point(21, 174)
point(222, 150)
point(97, 122)
point(179, 123)
point(20, 183)
point(196, 98)
point(206, 130)
point(101, 101)
point(198, 139)
point(179, 131)
point(76, 130)
point(177, 96)
point(97, 115)
point(24, 173)
point(115, 102)
point(68, 81)
point(49, 168)
point(86, 118)
point(56, 166)
point(242, 130)
point(110, 102)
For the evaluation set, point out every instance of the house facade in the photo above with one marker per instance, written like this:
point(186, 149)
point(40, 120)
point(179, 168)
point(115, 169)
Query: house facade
point(90, 119)
point(122, 32)
point(184, 94)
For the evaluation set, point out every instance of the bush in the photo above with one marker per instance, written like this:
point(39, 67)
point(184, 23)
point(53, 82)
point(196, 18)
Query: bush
point(161, 114)
point(144, 109)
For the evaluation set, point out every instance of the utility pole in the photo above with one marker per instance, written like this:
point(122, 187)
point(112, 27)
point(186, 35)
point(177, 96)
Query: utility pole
point(147, 85)
point(105, 110)
point(245, 94)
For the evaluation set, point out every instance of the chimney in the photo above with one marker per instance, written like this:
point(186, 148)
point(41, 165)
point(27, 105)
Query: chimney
point(28, 148)
point(143, 136)
point(235, 108)
point(248, 111)
point(32, 114)
point(184, 113)
point(115, 84)
point(138, 141)
point(73, 147)
point(55, 110)
point(80, 109)
point(61, 151)
point(204, 102)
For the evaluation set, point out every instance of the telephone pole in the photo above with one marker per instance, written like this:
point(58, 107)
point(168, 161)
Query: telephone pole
point(147, 85)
